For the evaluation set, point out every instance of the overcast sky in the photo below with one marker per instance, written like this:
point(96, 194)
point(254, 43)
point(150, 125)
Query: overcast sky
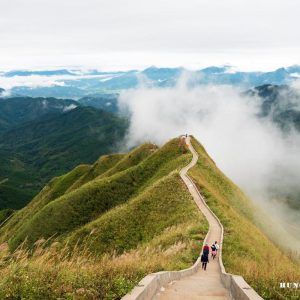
point(122, 34)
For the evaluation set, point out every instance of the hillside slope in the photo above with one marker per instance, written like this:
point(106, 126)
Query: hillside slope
point(130, 216)
point(247, 251)
point(76, 208)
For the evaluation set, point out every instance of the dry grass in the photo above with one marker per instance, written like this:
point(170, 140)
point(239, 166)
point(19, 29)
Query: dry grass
point(247, 250)
point(55, 272)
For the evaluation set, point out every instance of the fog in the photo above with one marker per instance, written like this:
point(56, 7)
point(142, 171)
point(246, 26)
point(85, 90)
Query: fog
point(252, 151)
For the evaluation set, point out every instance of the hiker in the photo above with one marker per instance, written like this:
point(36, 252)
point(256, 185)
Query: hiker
point(217, 246)
point(206, 249)
point(182, 144)
point(213, 251)
point(204, 260)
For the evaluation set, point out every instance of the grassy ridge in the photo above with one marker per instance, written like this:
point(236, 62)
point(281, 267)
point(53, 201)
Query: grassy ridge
point(138, 219)
point(247, 250)
point(55, 188)
point(131, 215)
point(103, 164)
point(86, 203)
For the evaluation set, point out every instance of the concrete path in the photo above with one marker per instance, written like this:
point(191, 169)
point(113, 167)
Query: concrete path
point(203, 284)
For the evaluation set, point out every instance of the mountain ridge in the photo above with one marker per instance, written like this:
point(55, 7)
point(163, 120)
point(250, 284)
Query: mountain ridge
point(136, 219)
point(81, 84)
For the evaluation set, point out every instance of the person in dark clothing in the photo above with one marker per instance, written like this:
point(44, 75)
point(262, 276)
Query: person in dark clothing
point(204, 260)
point(213, 251)
point(206, 249)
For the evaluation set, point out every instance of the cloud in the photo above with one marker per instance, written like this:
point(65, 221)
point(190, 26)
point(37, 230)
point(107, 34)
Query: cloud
point(197, 32)
point(69, 107)
point(252, 151)
point(32, 81)
point(35, 81)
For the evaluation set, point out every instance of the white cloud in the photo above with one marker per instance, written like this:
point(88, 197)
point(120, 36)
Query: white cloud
point(29, 81)
point(69, 107)
point(250, 150)
point(34, 81)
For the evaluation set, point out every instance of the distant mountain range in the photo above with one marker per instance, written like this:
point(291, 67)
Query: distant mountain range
point(74, 84)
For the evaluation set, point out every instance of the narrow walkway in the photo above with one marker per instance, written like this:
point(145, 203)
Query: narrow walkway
point(204, 284)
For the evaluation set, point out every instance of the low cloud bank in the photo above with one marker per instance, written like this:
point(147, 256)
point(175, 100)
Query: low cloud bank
point(251, 150)
point(35, 81)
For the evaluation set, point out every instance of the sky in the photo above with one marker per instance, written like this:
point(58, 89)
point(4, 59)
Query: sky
point(133, 34)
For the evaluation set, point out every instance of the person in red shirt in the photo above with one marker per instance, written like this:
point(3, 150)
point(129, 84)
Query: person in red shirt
point(206, 249)
point(204, 256)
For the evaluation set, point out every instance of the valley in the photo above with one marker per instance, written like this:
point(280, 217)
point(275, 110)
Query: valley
point(44, 142)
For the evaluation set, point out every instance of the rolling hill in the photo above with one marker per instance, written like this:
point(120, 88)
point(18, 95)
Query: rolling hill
point(100, 228)
point(33, 152)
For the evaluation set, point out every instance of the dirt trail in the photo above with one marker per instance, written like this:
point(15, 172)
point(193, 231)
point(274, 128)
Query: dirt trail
point(203, 284)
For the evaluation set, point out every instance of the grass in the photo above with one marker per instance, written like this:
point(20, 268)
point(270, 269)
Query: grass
point(118, 231)
point(5, 214)
point(247, 250)
point(110, 231)
point(103, 164)
point(55, 188)
point(86, 203)
point(134, 216)
point(52, 273)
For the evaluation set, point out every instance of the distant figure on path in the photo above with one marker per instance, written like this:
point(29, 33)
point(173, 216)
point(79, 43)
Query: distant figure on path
point(213, 251)
point(182, 144)
point(217, 246)
point(204, 260)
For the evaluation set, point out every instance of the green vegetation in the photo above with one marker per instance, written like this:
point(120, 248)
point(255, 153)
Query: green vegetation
point(86, 203)
point(55, 188)
point(94, 232)
point(247, 250)
point(18, 110)
point(4, 215)
point(130, 215)
point(106, 234)
point(34, 152)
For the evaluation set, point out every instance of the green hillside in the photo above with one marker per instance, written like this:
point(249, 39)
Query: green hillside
point(94, 232)
point(94, 198)
point(247, 250)
point(126, 216)
point(33, 152)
